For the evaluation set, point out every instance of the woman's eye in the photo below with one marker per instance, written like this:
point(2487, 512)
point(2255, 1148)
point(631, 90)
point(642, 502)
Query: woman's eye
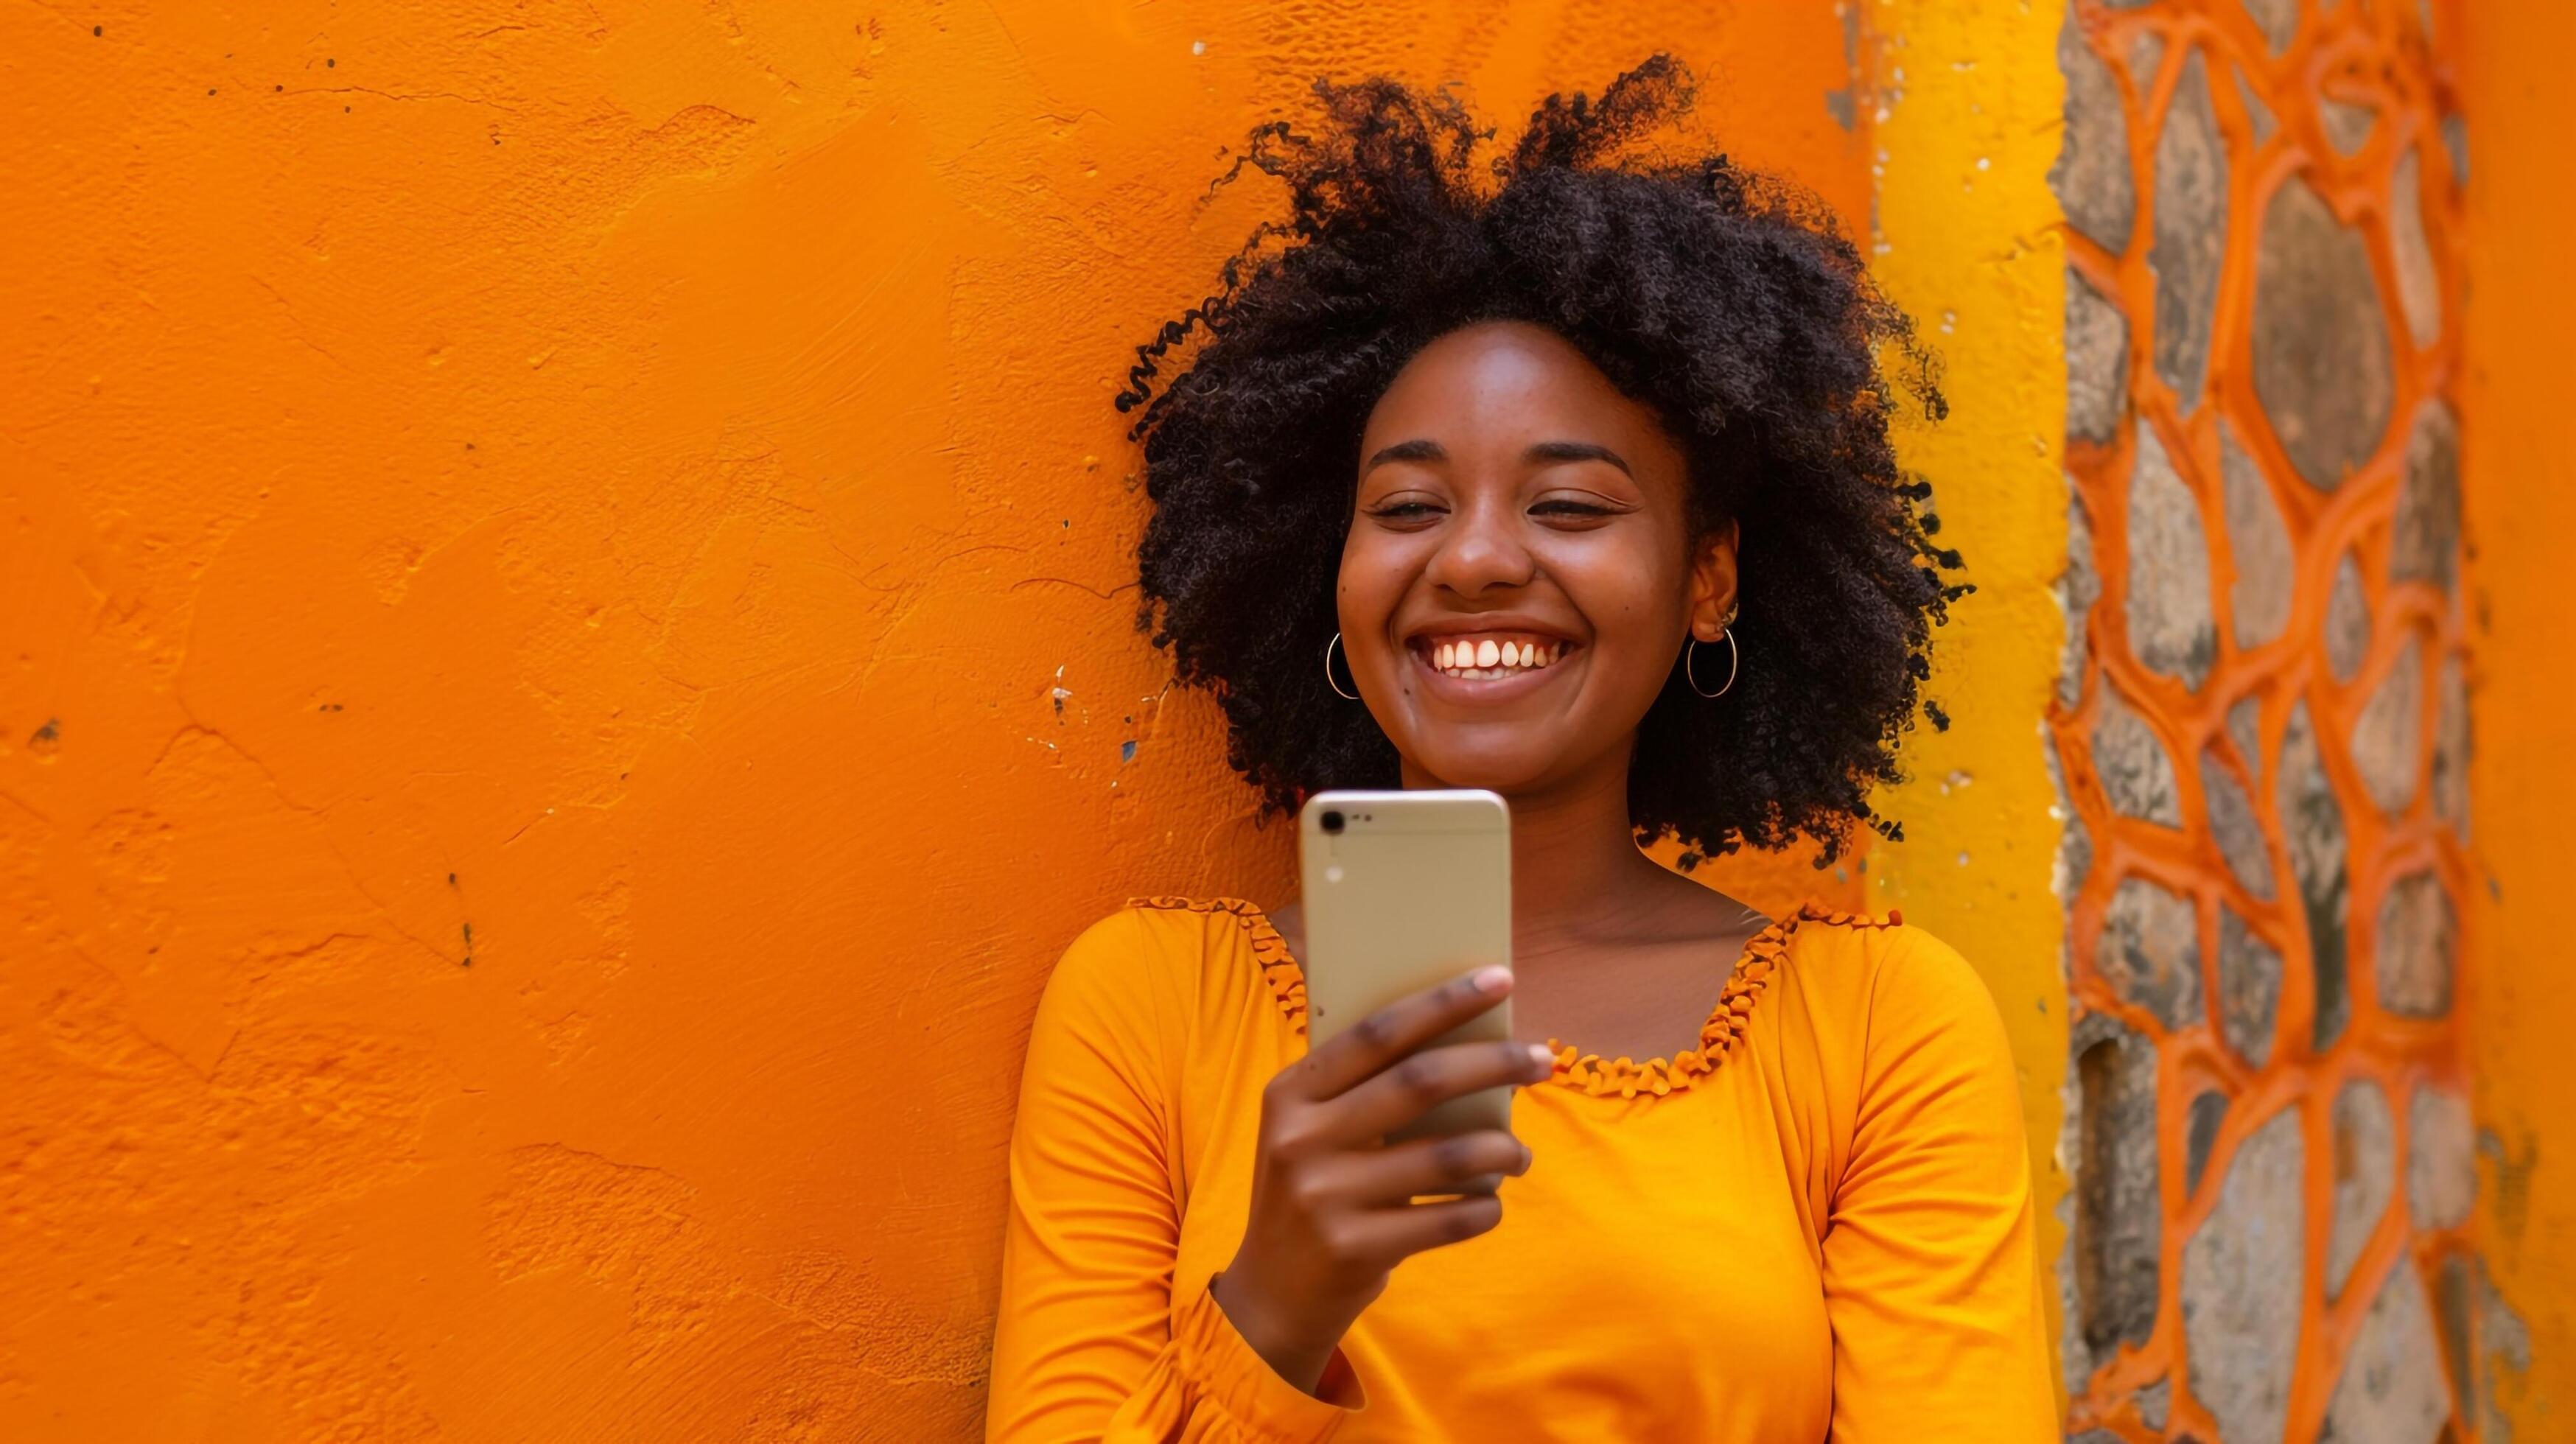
point(1566, 507)
point(1404, 511)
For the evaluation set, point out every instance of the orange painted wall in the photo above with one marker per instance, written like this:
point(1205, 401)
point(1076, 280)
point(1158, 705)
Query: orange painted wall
point(2520, 486)
point(565, 668)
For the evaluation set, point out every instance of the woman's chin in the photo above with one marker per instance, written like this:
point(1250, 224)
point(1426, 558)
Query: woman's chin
point(1508, 770)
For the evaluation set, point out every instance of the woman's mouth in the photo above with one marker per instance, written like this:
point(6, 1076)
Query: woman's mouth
point(1489, 656)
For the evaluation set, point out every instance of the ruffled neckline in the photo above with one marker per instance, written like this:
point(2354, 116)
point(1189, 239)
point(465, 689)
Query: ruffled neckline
point(1588, 1073)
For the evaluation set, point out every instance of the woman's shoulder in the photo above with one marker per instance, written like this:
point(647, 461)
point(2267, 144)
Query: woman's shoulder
point(1873, 980)
point(1170, 955)
point(1162, 929)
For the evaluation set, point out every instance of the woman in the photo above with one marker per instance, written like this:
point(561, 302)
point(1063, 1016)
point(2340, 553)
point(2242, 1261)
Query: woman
point(1574, 484)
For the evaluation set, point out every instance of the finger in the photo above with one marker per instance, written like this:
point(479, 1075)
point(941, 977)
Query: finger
point(1398, 1028)
point(1418, 1081)
point(1421, 1167)
point(1388, 1236)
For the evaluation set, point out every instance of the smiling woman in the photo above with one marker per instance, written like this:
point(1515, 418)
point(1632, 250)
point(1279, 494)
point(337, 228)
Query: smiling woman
point(1512, 497)
point(1735, 344)
point(1506, 458)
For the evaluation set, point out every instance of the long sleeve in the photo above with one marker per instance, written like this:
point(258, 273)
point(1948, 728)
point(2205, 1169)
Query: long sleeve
point(1931, 1269)
point(1088, 1344)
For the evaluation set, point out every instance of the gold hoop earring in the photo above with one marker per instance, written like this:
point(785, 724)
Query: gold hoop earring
point(1329, 679)
point(1690, 655)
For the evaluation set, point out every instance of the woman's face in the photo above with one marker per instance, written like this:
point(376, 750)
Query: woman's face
point(1520, 572)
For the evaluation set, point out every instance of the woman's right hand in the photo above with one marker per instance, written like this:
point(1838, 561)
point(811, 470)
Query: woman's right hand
point(1332, 1210)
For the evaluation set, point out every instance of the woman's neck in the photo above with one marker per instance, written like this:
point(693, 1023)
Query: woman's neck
point(1577, 876)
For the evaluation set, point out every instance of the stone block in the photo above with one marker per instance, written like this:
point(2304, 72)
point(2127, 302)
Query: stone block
point(2424, 543)
point(2149, 951)
point(2137, 773)
point(2258, 541)
point(2078, 588)
point(2173, 628)
point(2207, 1115)
point(2313, 835)
point(2451, 748)
point(2258, 116)
point(2153, 1402)
point(2347, 621)
point(2249, 988)
point(2418, 936)
point(2388, 736)
point(2441, 1158)
point(2146, 56)
point(2455, 1305)
point(2347, 126)
point(2239, 833)
point(2091, 176)
point(2097, 361)
point(2277, 19)
point(2241, 1287)
point(2118, 1218)
point(2419, 285)
point(2365, 1175)
point(2077, 853)
point(2190, 245)
point(2245, 729)
point(2322, 362)
point(2392, 1390)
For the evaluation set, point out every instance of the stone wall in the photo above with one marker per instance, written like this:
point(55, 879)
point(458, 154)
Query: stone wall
point(2262, 729)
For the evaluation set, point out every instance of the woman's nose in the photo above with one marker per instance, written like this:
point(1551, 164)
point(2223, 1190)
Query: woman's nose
point(1482, 547)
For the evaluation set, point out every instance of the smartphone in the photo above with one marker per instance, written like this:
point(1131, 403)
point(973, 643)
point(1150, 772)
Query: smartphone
point(1405, 890)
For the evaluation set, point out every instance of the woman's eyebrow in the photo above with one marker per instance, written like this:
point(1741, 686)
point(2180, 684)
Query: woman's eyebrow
point(1419, 449)
point(1576, 451)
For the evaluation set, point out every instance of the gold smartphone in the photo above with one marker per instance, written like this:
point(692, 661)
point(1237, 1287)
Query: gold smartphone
point(1405, 890)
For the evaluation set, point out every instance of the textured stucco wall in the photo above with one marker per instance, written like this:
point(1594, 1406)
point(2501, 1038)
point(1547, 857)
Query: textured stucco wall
point(2520, 484)
point(1964, 100)
point(565, 665)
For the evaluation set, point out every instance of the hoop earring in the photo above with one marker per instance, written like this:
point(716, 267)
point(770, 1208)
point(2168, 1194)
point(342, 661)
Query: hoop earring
point(1690, 654)
point(1329, 679)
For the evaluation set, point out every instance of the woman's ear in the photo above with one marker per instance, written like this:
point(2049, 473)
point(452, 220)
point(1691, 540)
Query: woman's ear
point(1712, 583)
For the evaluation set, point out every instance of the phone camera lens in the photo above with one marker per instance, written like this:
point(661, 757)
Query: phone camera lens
point(1332, 821)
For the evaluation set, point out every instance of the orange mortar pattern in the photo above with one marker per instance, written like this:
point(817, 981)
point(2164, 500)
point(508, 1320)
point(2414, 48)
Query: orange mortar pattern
point(2380, 56)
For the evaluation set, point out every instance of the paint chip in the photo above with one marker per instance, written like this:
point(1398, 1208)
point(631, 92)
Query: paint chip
point(1127, 750)
point(1198, 47)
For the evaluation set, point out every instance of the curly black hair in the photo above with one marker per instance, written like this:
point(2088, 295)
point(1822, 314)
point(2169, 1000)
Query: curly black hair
point(1726, 300)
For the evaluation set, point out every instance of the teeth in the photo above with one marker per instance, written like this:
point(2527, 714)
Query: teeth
point(1486, 660)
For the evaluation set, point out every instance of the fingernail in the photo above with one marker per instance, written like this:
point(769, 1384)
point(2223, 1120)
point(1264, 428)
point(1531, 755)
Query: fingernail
point(1541, 1058)
point(1493, 980)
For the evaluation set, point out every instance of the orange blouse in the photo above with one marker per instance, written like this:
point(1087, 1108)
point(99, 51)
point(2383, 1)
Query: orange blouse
point(1817, 1224)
